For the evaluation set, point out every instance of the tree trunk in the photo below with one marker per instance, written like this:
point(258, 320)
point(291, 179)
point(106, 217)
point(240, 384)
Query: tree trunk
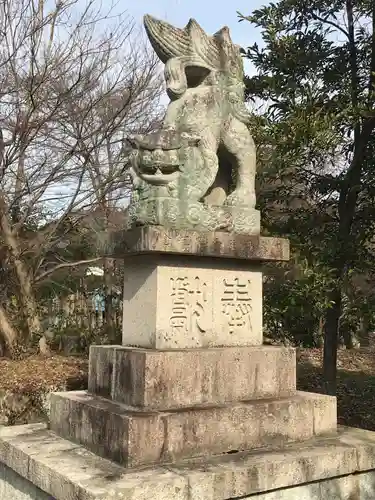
point(331, 337)
point(30, 310)
point(27, 299)
point(349, 190)
point(319, 335)
point(7, 331)
point(26, 293)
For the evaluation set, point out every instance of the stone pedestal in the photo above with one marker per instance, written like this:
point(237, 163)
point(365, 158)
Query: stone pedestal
point(185, 289)
point(189, 304)
point(192, 406)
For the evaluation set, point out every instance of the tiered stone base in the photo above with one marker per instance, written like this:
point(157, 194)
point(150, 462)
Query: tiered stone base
point(132, 438)
point(47, 467)
point(154, 407)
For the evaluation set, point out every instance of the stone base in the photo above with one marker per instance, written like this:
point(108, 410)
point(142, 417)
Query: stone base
point(353, 487)
point(323, 467)
point(161, 380)
point(15, 487)
point(132, 437)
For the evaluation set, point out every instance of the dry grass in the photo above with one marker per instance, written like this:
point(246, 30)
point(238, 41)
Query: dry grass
point(39, 373)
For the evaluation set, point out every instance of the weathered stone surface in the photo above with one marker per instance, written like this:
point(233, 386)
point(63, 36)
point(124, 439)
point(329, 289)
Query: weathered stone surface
point(101, 370)
point(364, 441)
point(67, 471)
point(15, 487)
point(156, 379)
point(175, 304)
point(354, 487)
point(132, 437)
point(183, 173)
point(157, 239)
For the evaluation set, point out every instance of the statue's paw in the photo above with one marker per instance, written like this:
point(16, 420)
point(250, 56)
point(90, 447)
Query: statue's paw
point(241, 197)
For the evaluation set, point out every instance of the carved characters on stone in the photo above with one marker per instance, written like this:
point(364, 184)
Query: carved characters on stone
point(201, 306)
point(236, 303)
point(188, 304)
point(198, 170)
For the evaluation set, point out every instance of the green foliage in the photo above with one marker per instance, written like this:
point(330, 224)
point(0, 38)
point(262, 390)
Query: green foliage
point(295, 302)
point(315, 135)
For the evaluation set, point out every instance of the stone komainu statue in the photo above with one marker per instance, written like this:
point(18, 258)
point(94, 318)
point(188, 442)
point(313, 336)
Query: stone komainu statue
point(198, 170)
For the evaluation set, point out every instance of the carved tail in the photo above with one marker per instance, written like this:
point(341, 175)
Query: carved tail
point(166, 40)
point(192, 41)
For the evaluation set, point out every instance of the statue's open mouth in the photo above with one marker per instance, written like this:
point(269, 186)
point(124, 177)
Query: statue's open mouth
point(158, 160)
point(151, 167)
point(158, 177)
point(158, 167)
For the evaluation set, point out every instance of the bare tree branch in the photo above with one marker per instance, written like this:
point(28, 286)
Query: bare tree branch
point(63, 265)
point(75, 78)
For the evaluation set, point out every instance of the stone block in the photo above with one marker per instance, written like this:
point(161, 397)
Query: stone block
point(157, 239)
point(156, 379)
point(133, 438)
point(67, 471)
point(170, 303)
